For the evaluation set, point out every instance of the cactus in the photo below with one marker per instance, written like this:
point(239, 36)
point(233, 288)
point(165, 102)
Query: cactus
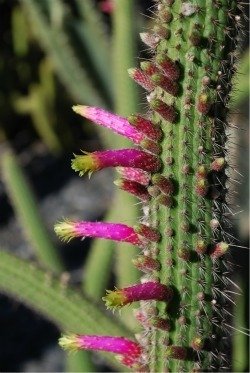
point(179, 173)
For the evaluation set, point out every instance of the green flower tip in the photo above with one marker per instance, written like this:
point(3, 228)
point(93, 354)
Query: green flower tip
point(65, 230)
point(84, 163)
point(69, 342)
point(114, 299)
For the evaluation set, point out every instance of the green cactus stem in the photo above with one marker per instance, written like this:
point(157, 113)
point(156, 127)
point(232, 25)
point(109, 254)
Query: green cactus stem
point(24, 203)
point(199, 41)
point(56, 299)
point(185, 239)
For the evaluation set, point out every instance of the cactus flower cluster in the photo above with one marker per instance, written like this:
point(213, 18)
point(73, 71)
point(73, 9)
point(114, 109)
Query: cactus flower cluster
point(177, 168)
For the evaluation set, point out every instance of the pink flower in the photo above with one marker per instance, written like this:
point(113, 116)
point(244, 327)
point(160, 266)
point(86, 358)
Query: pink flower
point(113, 158)
point(129, 351)
point(147, 291)
point(111, 231)
point(112, 121)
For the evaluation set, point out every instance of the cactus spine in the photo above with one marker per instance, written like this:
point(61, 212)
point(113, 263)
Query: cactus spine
point(188, 79)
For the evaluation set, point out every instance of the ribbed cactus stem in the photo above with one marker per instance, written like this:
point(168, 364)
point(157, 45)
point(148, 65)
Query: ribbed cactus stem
point(198, 45)
point(182, 297)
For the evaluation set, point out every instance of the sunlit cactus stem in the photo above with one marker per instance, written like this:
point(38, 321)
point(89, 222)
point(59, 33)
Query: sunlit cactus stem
point(191, 68)
point(179, 172)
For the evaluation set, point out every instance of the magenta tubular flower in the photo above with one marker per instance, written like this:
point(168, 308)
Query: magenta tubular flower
point(115, 158)
point(147, 291)
point(112, 121)
point(134, 174)
point(129, 352)
point(111, 231)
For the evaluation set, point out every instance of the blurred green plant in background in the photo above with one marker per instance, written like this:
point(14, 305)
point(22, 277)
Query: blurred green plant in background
point(58, 53)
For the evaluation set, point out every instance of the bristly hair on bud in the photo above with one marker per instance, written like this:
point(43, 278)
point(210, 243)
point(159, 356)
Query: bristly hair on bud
point(201, 187)
point(146, 264)
point(218, 250)
point(197, 343)
point(218, 164)
point(147, 291)
point(141, 78)
point(144, 125)
point(134, 174)
point(176, 352)
point(149, 68)
point(149, 233)
point(150, 39)
point(204, 104)
point(164, 184)
point(138, 190)
point(201, 246)
point(129, 351)
point(112, 231)
point(160, 323)
point(165, 83)
point(170, 67)
point(166, 111)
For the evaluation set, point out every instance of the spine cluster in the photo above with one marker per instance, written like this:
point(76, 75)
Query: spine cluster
point(178, 170)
